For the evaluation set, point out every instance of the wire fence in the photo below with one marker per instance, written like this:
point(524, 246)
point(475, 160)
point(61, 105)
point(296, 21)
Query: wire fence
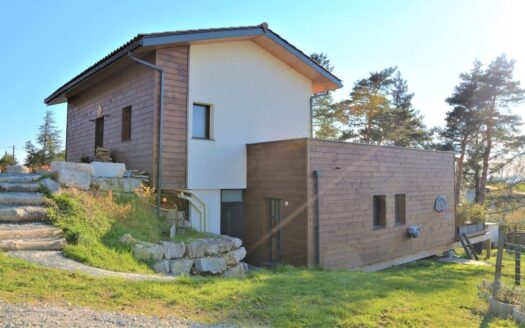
point(511, 250)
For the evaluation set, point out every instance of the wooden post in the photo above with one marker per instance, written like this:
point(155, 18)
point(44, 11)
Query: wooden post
point(488, 249)
point(517, 268)
point(499, 261)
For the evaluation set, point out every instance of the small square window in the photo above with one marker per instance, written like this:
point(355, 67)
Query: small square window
point(126, 123)
point(400, 209)
point(201, 122)
point(379, 211)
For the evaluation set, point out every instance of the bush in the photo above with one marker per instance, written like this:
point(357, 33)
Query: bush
point(510, 295)
point(472, 213)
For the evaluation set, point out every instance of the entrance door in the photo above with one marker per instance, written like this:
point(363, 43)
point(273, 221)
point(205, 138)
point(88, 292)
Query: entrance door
point(99, 132)
point(232, 213)
point(274, 218)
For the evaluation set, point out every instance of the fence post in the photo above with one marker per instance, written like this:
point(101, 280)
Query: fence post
point(517, 268)
point(488, 246)
point(499, 260)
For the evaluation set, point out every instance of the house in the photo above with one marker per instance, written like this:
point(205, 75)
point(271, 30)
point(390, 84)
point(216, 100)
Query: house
point(228, 113)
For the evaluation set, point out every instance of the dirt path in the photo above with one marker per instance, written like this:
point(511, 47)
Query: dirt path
point(42, 315)
point(55, 259)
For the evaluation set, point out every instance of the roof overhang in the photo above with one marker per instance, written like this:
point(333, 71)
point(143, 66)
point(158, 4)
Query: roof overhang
point(322, 80)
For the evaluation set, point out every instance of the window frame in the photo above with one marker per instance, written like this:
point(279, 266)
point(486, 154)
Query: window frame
point(400, 213)
point(207, 121)
point(378, 218)
point(126, 128)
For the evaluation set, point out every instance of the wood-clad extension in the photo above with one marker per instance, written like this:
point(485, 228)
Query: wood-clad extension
point(350, 175)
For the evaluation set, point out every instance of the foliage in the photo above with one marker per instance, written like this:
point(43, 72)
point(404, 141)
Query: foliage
point(48, 142)
point(472, 213)
point(6, 160)
point(507, 294)
point(422, 294)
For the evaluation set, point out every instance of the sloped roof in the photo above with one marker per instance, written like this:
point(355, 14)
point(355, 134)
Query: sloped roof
point(189, 36)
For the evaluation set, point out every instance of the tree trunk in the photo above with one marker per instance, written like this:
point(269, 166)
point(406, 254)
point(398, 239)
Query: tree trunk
point(459, 169)
point(486, 154)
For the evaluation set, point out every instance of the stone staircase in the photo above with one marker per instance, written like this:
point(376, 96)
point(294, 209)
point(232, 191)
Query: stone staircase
point(21, 216)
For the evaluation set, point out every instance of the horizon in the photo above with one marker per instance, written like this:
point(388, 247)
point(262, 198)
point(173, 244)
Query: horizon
point(430, 42)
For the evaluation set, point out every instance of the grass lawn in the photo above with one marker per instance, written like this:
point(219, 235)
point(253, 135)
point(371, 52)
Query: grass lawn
point(422, 294)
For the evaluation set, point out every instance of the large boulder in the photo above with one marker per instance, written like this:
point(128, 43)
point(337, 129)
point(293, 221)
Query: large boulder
point(108, 170)
point(162, 266)
point(236, 271)
point(117, 184)
point(218, 246)
point(195, 249)
point(57, 166)
point(213, 265)
point(50, 185)
point(236, 241)
point(15, 169)
point(235, 256)
point(74, 179)
point(174, 250)
point(147, 251)
point(181, 267)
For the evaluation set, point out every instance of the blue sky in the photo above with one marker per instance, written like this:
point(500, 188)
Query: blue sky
point(45, 43)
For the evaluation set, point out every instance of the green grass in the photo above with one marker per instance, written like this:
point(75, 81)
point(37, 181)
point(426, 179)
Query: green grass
point(93, 226)
point(422, 294)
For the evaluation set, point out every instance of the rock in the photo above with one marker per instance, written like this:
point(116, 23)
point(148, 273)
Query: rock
point(235, 256)
point(213, 265)
point(147, 251)
point(128, 239)
point(51, 185)
point(181, 267)
point(14, 169)
point(236, 271)
point(108, 170)
point(117, 184)
point(195, 249)
point(174, 250)
point(236, 241)
point(74, 179)
point(162, 266)
point(57, 166)
point(218, 246)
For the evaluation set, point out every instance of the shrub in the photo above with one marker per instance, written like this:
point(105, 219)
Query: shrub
point(510, 295)
point(472, 213)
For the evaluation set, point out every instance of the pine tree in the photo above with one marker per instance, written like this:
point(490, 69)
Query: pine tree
point(49, 142)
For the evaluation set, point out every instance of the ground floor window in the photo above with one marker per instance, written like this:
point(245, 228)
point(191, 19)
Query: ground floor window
point(379, 211)
point(400, 209)
point(232, 213)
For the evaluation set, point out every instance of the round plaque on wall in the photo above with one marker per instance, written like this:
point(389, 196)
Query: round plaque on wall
point(441, 204)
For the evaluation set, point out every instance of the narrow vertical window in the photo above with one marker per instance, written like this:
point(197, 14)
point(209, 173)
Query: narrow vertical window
point(400, 209)
point(126, 123)
point(201, 122)
point(379, 211)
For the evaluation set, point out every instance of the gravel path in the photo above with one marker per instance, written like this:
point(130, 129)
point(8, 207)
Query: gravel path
point(16, 315)
point(55, 259)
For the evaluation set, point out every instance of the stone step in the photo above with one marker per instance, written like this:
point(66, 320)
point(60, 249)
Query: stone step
point(19, 187)
point(18, 178)
point(21, 198)
point(34, 244)
point(22, 213)
point(28, 231)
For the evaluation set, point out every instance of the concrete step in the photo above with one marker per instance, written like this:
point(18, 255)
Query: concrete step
point(28, 231)
point(18, 178)
point(34, 244)
point(19, 187)
point(22, 213)
point(21, 198)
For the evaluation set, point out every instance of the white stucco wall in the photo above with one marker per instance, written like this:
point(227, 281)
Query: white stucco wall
point(212, 199)
point(255, 97)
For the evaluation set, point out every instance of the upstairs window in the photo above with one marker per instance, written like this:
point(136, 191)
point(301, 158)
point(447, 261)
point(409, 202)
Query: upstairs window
point(201, 121)
point(400, 209)
point(379, 211)
point(126, 123)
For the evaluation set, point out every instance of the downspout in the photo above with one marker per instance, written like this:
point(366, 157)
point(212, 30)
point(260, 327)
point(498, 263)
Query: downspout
point(312, 116)
point(317, 174)
point(161, 124)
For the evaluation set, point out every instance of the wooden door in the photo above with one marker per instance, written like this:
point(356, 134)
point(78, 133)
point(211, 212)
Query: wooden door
point(274, 218)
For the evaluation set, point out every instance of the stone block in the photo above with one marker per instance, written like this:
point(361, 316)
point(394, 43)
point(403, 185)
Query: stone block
point(117, 184)
point(51, 185)
point(213, 265)
point(180, 267)
point(57, 166)
point(174, 250)
point(236, 241)
point(195, 249)
point(108, 170)
point(147, 251)
point(74, 179)
point(15, 169)
point(235, 256)
point(236, 271)
point(162, 266)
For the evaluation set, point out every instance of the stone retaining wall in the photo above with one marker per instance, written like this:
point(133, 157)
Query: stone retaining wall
point(221, 256)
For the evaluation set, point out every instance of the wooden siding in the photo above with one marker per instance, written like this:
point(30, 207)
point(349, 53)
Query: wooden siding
point(276, 170)
point(351, 175)
point(132, 86)
point(174, 62)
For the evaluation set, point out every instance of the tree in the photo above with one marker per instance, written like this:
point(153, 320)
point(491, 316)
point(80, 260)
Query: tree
point(6, 160)
point(48, 142)
point(380, 111)
point(462, 123)
point(325, 114)
point(496, 93)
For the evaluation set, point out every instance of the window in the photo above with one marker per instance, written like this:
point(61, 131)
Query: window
point(126, 123)
point(201, 122)
point(379, 211)
point(400, 209)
